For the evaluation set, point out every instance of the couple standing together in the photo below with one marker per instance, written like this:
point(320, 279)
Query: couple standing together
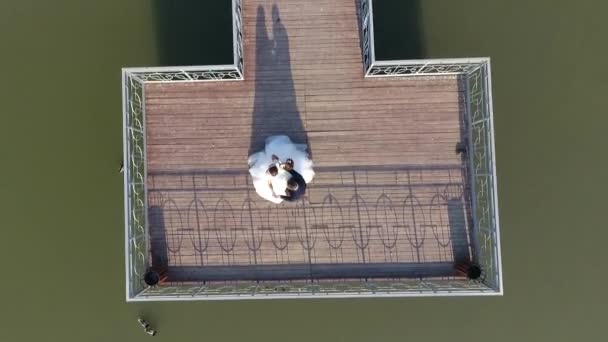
point(281, 171)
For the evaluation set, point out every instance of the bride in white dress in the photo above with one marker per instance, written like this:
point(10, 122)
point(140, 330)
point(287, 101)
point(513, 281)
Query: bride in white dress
point(282, 147)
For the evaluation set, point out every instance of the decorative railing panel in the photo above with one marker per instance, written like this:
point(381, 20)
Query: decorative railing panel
point(366, 26)
point(135, 190)
point(483, 173)
point(413, 68)
point(307, 290)
point(237, 17)
point(175, 74)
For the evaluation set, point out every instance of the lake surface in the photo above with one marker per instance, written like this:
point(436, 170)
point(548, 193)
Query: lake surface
point(62, 204)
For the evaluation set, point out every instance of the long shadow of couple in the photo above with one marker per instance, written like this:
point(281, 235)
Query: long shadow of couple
point(275, 109)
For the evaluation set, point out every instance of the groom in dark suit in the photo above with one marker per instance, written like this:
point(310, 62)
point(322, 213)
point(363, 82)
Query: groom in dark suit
point(296, 186)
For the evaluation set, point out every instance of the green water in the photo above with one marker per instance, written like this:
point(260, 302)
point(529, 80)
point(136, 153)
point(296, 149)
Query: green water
point(62, 210)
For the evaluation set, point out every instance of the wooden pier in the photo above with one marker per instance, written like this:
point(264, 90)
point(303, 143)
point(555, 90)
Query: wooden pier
point(390, 189)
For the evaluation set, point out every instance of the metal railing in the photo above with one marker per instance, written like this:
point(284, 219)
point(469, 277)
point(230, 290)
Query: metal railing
point(367, 34)
point(341, 289)
point(225, 72)
point(421, 67)
point(237, 31)
point(475, 74)
point(376, 68)
point(186, 74)
point(136, 246)
point(482, 159)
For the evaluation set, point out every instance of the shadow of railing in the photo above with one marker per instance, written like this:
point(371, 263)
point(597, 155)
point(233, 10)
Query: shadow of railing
point(463, 148)
point(407, 218)
point(311, 271)
point(158, 239)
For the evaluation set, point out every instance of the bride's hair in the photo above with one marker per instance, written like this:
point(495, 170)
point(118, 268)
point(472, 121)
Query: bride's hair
point(273, 170)
point(292, 185)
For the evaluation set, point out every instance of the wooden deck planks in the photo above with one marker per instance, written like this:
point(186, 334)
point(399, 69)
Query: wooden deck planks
point(304, 78)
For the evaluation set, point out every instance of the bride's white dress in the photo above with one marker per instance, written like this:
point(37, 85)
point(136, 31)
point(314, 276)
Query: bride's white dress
point(284, 148)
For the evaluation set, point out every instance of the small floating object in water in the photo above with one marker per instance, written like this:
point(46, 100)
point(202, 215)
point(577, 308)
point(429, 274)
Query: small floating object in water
point(144, 324)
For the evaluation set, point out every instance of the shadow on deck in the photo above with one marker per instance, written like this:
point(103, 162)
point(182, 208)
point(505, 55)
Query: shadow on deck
point(312, 272)
point(275, 110)
point(359, 222)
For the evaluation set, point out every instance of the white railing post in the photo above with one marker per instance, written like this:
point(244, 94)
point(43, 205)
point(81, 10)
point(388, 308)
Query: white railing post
point(366, 23)
point(136, 229)
point(237, 36)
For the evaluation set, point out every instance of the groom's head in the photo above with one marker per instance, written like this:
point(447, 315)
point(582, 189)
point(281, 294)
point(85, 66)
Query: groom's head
point(288, 164)
point(292, 185)
point(273, 170)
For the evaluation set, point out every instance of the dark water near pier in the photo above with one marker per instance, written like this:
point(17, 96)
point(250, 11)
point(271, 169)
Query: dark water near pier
point(62, 209)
